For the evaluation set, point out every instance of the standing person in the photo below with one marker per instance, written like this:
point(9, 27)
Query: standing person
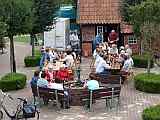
point(128, 49)
point(69, 59)
point(35, 78)
point(113, 37)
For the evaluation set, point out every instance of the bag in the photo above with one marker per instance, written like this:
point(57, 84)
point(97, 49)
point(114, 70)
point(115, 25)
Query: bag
point(29, 111)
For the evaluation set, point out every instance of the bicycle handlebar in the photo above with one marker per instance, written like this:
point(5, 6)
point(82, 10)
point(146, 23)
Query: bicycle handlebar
point(5, 94)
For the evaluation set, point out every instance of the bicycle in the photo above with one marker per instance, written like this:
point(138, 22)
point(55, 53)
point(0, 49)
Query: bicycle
point(23, 111)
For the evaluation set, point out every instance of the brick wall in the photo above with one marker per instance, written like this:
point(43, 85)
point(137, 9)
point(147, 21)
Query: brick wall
point(88, 34)
point(135, 47)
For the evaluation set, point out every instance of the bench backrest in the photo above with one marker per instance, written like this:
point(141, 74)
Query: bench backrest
point(111, 79)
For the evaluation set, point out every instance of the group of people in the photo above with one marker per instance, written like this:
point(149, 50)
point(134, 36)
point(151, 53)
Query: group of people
point(105, 55)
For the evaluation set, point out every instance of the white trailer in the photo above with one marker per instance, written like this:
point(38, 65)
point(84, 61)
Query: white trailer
point(58, 37)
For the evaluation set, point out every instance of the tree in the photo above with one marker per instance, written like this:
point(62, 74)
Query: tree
point(145, 18)
point(125, 8)
point(44, 13)
point(17, 15)
point(3, 28)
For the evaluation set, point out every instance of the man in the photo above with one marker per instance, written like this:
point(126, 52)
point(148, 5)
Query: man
point(69, 59)
point(113, 37)
point(128, 50)
point(102, 67)
point(113, 49)
point(35, 79)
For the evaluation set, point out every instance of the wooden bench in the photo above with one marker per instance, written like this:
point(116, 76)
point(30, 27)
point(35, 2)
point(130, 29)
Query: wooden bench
point(107, 93)
point(51, 94)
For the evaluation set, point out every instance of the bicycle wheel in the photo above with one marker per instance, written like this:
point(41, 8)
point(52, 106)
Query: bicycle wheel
point(1, 115)
point(20, 116)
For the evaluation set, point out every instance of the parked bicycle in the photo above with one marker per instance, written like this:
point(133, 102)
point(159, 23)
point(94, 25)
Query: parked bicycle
point(23, 111)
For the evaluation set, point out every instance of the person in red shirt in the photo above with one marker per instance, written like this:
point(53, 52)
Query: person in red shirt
point(113, 37)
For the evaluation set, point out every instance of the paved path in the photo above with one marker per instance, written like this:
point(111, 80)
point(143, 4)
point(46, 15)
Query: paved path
point(132, 101)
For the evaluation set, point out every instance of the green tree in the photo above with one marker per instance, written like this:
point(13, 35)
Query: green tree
point(17, 15)
point(145, 18)
point(44, 13)
point(3, 28)
point(125, 8)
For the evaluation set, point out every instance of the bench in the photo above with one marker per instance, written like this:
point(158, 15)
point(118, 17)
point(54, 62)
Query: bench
point(51, 94)
point(107, 93)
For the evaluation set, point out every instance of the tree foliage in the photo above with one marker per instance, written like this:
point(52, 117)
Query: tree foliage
point(18, 16)
point(125, 8)
point(145, 18)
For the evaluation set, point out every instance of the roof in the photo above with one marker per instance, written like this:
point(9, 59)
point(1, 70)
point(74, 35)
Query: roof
point(126, 28)
point(99, 11)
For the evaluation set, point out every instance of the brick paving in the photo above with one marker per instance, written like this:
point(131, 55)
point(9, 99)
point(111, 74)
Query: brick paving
point(132, 101)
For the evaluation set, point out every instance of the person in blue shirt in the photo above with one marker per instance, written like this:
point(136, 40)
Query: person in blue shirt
point(45, 56)
point(42, 82)
point(34, 79)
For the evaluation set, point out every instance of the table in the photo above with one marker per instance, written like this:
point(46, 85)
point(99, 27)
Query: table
point(56, 67)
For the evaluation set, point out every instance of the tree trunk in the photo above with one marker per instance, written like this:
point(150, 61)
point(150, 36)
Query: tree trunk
point(149, 63)
point(32, 43)
point(12, 56)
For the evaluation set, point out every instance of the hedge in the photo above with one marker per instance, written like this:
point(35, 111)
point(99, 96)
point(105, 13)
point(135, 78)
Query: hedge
point(141, 61)
point(13, 81)
point(33, 61)
point(148, 82)
point(151, 113)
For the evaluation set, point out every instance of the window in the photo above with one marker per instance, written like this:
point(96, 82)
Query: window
point(100, 30)
point(132, 39)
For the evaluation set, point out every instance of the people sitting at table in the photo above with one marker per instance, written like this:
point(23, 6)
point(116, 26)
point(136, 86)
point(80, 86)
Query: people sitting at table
point(42, 82)
point(121, 57)
point(35, 78)
point(69, 59)
point(128, 49)
point(102, 67)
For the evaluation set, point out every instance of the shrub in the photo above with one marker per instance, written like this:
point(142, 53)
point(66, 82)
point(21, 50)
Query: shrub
point(13, 81)
point(151, 113)
point(32, 61)
point(147, 82)
point(141, 61)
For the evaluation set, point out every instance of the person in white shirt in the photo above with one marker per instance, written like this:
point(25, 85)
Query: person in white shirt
point(128, 50)
point(102, 67)
point(113, 49)
point(69, 59)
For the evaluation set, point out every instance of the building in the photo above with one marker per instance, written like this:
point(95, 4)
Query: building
point(102, 16)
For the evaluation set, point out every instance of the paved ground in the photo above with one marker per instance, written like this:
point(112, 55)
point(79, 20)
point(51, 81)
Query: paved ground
point(132, 102)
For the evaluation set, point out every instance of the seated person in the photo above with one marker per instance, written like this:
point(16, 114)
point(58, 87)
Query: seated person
point(121, 57)
point(96, 51)
point(35, 78)
point(69, 59)
point(113, 49)
point(50, 74)
point(42, 82)
point(103, 67)
point(91, 84)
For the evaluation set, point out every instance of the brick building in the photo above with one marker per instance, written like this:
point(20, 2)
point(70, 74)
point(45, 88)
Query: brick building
point(102, 16)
